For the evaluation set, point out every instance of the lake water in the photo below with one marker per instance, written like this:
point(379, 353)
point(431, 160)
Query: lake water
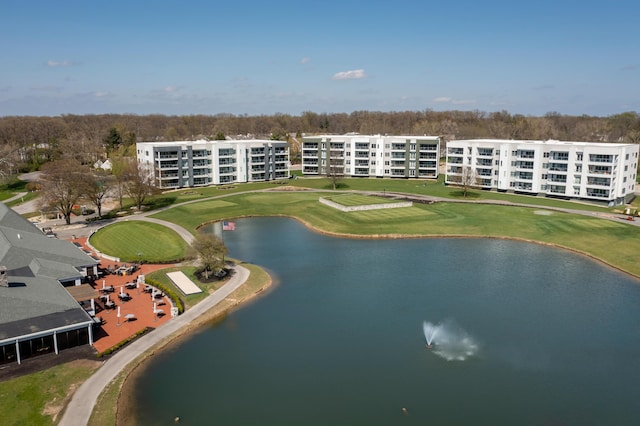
point(527, 335)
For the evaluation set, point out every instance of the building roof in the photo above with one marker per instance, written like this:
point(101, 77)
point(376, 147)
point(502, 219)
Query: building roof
point(359, 136)
point(35, 299)
point(542, 142)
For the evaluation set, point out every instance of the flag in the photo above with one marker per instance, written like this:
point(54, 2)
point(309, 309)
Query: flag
point(228, 226)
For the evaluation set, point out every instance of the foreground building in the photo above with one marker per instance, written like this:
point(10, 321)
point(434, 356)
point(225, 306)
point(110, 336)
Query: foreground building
point(38, 314)
point(201, 163)
point(603, 172)
point(371, 156)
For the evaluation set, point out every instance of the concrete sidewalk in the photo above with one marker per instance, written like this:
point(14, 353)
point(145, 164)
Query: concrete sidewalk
point(84, 399)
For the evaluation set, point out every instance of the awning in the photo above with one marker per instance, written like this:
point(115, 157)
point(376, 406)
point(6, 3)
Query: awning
point(83, 292)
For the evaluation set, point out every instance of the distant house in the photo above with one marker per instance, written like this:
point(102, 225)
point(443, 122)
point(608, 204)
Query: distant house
point(104, 165)
point(38, 315)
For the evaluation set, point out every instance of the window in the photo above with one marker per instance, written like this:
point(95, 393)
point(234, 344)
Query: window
point(546, 155)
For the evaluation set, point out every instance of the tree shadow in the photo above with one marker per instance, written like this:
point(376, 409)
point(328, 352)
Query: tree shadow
point(460, 194)
point(160, 202)
point(339, 185)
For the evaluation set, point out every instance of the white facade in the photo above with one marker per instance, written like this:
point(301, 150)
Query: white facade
point(371, 156)
point(604, 172)
point(199, 163)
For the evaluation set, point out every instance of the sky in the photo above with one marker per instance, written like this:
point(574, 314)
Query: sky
point(252, 57)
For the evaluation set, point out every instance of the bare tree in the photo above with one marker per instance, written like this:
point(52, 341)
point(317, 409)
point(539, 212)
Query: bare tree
point(119, 169)
point(96, 187)
point(465, 180)
point(335, 165)
point(62, 184)
point(211, 251)
point(139, 183)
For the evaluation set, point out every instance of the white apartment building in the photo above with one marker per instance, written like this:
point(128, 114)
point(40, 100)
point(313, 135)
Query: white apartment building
point(603, 172)
point(371, 156)
point(199, 163)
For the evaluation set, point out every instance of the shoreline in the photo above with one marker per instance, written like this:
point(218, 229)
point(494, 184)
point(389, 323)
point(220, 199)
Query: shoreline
point(125, 403)
point(414, 236)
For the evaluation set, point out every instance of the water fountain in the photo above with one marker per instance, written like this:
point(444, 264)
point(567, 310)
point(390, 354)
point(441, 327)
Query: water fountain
point(430, 331)
point(449, 341)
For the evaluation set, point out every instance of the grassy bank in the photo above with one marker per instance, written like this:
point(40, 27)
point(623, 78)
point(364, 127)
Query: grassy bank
point(38, 398)
point(615, 242)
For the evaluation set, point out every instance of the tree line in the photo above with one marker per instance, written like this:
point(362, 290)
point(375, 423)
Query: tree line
point(27, 142)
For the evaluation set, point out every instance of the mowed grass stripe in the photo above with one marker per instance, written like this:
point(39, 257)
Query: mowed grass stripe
point(350, 200)
point(154, 242)
point(389, 214)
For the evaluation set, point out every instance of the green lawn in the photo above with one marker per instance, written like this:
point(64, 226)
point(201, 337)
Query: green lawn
point(27, 400)
point(431, 187)
point(350, 200)
point(155, 243)
point(617, 243)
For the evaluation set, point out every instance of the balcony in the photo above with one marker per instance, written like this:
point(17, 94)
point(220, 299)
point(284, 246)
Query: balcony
point(557, 189)
point(455, 151)
point(168, 165)
point(485, 152)
point(555, 167)
point(167, 155)
point(428, 147)
point(523, 176)
point(597, 193)
point(524, 165)
point(599, 181)
point(427, 165)
point(600, 158)
point(559, 156)
point(525, 153)
point(599, 170)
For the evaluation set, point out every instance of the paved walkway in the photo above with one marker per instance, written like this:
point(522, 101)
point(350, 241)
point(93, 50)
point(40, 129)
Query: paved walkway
point(79, 409)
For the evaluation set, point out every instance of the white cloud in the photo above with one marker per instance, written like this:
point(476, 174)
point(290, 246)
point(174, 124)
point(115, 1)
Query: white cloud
point(448, 100)
point(349, 75)
point(305, 60)
point(57, 64)
point(463, 101)
point(170, 89)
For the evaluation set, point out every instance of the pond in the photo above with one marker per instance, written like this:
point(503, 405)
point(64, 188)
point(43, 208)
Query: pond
point(524, 334)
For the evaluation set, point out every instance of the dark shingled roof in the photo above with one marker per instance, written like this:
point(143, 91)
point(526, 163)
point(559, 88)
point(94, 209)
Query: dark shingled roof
point(35, 299)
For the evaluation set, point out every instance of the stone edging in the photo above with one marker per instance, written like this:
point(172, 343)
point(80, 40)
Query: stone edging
point(364, 207)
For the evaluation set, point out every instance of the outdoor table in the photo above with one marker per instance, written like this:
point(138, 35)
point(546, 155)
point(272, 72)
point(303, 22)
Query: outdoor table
point(130, 285)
